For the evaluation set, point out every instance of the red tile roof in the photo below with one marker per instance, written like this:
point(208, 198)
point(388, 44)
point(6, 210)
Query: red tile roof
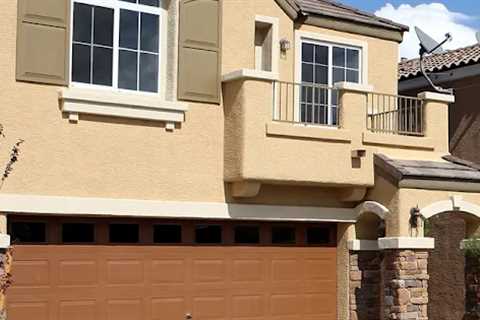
point(440, 62)
point(338, 10)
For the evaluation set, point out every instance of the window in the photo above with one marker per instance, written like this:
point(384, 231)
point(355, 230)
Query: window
point(318, 235)
point(247, 234)
point(208, 234)
point(117, 44)
point(124, 233)
point(78, 232)
point(322, 66)
point(28, 232)
point(167, 233)
point(283, 235)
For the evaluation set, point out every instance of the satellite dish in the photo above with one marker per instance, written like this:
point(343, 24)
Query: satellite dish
point(478, 36)
point(429, 46)
point(427, 42)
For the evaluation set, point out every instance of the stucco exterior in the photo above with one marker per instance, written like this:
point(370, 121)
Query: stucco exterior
point(236, 141)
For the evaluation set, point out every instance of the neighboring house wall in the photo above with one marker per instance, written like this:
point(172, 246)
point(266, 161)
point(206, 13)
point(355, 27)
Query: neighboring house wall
point(464, 117)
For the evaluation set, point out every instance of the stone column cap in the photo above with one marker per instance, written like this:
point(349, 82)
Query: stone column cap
point(406, 243)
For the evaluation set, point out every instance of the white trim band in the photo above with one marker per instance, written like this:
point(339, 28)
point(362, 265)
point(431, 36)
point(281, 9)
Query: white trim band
point(439, 97)
point(4, 241)
point(76, 101)
point(12, 203)
point(455, 203)
point(363, 245)
point(406, 243)
point(355, 87)
point(244, 74)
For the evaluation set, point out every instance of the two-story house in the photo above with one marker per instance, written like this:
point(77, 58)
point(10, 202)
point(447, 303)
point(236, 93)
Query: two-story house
point(217, 159)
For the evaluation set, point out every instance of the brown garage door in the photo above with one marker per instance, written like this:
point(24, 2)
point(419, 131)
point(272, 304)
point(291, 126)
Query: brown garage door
point(214, 271)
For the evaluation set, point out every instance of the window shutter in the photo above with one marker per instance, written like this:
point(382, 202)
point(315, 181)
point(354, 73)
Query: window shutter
point(42, 41)
point(199, 51)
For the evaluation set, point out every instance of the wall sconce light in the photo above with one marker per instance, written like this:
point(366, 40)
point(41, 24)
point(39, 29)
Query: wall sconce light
point(284, 45)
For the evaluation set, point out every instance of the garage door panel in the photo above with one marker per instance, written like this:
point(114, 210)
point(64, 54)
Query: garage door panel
point(78, 310)
point(173, 306)
point(286, 270)
point(32, 273)
point(248, 270)
point(163, 282)
point(78, 272)
point(125, 272)
point(38, 310)
point(125, 309)
point(208, 271)
point(211, 307)
point(168, 271)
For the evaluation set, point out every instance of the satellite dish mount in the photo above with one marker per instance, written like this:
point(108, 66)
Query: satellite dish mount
point(429, 46)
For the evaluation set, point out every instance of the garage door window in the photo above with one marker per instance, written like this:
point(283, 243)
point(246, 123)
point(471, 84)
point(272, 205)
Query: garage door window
point(247, 235)
point(318, 235)
point(124, 233)
point(78, 233)
point(283, 235)
point(208, 234)
point(28, 232)
point(167, 233)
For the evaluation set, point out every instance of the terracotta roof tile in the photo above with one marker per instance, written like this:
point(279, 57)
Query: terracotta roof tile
point(453, 169)
point(338, 10)
point(440, 62)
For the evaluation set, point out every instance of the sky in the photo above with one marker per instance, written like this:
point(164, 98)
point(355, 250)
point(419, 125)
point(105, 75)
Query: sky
point(459, 17)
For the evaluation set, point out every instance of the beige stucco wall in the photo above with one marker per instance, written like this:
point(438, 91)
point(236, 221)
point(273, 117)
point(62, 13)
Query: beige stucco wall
point(238, 50)
point(239, 16)
point(400, 202)
point(121, 158)
point(102, 156)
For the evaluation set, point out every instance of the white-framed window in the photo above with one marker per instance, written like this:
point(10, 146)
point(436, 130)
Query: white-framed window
point(117, 44)
point(322, 65)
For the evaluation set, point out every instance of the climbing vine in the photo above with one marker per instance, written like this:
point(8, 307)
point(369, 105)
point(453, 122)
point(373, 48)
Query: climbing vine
point(471, 247)
point(6, 255)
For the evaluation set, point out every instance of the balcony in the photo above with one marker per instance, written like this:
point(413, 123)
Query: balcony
point(302, 134)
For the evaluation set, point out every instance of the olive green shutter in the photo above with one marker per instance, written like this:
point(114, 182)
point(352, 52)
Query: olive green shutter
point(42, 41)
point(199, 51)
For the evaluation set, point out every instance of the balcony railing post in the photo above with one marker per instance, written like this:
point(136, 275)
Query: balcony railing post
point(436, 118)
point(354, 100)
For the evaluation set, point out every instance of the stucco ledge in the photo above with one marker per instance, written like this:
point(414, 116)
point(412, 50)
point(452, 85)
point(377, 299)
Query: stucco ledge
point(398, 141)
point(243, 74)
point(292, 130)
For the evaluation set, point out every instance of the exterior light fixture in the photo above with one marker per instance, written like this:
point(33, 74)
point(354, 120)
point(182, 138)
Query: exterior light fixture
point(414, 217)
point(285, 45)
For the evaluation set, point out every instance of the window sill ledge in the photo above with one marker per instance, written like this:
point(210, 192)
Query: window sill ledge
point(398, 141)
point(243, 74)
point(308, 132)
point(75, 101)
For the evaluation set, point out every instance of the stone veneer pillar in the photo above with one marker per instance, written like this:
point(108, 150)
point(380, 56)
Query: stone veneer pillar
point(405, 284)
point(365, 285)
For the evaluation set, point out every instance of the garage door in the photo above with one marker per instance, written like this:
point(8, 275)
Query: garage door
point(126, 270)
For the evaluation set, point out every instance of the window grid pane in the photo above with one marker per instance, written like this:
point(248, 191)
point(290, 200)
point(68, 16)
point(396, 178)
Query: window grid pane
point(93, 44)
point(325, 64)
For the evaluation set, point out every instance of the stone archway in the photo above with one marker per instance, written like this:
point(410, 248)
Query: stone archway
point(446, 267)
point(366, 261)
point(449, 222)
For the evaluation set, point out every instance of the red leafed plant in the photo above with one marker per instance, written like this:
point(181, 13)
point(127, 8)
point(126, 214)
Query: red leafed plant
point(14, 154)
